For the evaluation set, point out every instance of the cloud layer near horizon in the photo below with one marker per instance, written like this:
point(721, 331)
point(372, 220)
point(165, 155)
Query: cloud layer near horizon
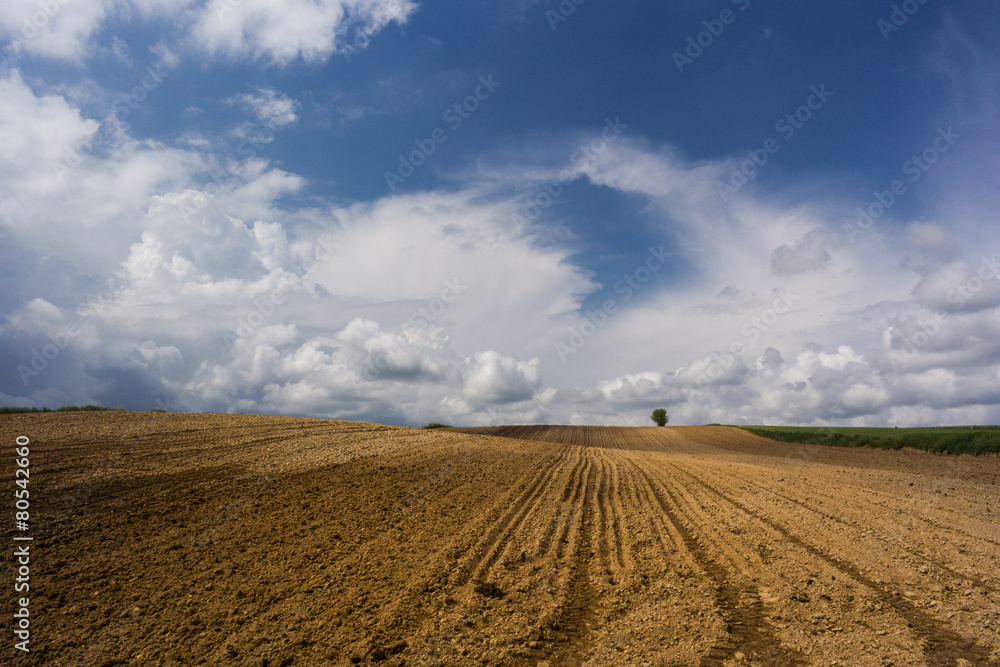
point(137, 277)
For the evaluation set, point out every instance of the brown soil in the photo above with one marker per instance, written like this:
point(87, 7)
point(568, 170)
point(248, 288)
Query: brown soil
point(167, 539)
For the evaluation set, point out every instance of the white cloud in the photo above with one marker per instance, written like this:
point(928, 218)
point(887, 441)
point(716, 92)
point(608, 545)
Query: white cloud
point(312, 30)
point(60, 29)
point(54, 161)
point(448, 259)
point(165, 56)
point(493, 378)
point(221, 305)
point(855, 325)
point(931, 242)
point(272, 108)
point(808, 254)
point(959, 287)
point(373, 354)
point(428, 306)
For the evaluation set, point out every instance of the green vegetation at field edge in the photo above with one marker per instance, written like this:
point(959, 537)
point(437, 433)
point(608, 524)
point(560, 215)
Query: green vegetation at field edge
point(940, 439)
point(435, 425)
point(67, 408)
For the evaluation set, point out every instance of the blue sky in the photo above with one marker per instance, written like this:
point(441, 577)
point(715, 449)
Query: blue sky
point(515, 211)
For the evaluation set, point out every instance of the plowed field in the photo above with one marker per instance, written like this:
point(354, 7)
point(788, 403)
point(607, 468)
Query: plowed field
point(164, 539)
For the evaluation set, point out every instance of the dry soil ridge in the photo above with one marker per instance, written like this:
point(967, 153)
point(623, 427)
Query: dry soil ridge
point(171, 539)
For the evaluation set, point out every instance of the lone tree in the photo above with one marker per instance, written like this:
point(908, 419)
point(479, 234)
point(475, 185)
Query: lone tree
point(660, 417)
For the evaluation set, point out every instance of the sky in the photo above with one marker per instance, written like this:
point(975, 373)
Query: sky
point(516, 211)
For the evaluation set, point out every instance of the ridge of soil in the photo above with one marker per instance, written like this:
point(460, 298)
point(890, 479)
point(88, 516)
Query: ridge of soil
point(180, 539)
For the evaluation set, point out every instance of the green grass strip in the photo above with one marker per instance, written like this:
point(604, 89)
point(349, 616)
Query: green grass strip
point(940, 439)
point(67, 408)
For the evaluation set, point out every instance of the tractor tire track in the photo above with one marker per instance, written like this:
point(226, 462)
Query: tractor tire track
point(747, 629)
point(943, 646)
point(896, 542)
point(617, 511)
point(548, 545)
point(578, 616)
point(489, 548)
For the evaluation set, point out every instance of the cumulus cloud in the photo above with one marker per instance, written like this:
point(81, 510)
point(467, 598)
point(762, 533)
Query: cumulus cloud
point(64, 176)
point(774, 330)
point(272, 108)
point(816, 386)
point(960, 287)
point(312, 30)
point(808, 254)
point(771, 359)
point(58, 29)
point(713, 369)
point(220, 300)
point(491, 377)
point(427, 306)
point(416, 353)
